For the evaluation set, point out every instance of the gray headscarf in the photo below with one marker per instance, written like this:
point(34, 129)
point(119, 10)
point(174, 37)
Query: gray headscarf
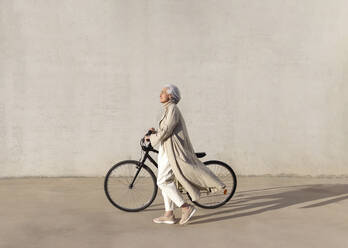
point(174, 91)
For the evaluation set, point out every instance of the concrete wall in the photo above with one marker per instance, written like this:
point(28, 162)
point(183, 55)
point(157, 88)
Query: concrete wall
point(264, 83)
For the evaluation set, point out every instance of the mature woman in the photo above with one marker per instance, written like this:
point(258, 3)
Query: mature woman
point(177, 161)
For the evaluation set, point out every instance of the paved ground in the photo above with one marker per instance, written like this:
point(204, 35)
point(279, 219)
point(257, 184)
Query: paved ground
point(265, 212)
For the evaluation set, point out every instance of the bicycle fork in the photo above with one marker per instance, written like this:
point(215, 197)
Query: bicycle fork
point(138, 171)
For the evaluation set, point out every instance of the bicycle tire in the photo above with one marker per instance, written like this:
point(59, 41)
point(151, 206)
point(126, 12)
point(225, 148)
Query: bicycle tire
point(114, 201)
point(232, 190)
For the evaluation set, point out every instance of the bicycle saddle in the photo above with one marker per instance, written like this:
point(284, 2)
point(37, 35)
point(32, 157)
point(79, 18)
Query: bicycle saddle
point(200, 154)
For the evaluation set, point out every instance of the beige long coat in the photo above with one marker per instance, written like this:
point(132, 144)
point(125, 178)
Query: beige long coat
point(189, 171)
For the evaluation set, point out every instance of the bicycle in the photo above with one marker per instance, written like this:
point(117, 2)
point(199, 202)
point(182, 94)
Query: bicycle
point(131, 185)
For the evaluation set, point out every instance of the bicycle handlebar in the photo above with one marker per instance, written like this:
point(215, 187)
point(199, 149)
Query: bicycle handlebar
point(149, 146)
point(148, 133)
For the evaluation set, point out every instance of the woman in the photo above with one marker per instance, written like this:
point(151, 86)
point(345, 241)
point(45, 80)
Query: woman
point(177, 162)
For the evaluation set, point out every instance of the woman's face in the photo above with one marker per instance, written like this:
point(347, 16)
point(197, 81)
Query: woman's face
point(164, 96)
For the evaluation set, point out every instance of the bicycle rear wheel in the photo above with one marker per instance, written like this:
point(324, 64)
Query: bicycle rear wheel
point(227, 176)
point(128, 196)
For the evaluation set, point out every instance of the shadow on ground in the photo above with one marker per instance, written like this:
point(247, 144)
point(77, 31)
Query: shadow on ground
point(258, 201)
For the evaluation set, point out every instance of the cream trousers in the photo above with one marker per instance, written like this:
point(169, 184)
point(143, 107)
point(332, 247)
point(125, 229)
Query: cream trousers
point(165, 182)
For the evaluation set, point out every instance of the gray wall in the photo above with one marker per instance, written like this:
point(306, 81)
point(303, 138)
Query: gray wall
point(264, 83)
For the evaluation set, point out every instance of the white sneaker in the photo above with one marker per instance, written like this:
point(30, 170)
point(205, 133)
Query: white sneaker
point(165, 220)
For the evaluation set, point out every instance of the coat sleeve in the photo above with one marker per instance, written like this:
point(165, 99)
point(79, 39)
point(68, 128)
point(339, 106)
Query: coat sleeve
point(163, 133)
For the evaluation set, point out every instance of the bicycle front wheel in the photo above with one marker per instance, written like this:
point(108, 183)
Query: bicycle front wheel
point(219, 198)
point(130, 187)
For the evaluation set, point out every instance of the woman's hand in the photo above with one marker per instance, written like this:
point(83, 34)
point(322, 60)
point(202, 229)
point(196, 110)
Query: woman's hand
point(147, 137)
point(152, 130)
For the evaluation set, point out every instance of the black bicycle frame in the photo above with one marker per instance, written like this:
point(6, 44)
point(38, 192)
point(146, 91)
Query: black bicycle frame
point(148, 149)
point(146, 156)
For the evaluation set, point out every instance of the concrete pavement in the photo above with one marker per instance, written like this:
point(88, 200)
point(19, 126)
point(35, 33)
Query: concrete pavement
point(265, 212)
